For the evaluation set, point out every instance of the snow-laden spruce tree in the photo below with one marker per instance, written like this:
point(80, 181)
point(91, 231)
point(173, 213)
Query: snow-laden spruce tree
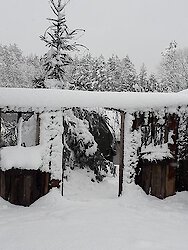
point(98, 80)
point(168, 68)
point(173, 69)
point(154, 84)
point(114, 70)
point(61, 41)
point(81, 72)
point(17, 70)
point(128, 75)
point(143, 79)
point(92, 74)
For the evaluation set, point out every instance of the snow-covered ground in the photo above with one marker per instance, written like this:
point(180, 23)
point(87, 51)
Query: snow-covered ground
point(91, 217)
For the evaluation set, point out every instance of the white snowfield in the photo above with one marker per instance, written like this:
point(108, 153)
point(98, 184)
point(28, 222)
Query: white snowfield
point(91, 217)
point(55, 99)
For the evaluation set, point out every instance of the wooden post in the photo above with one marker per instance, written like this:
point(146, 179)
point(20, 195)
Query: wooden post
point(0, 130)
point(37, 139)
point(63, 159)
point(19, 129)
point(121, 155)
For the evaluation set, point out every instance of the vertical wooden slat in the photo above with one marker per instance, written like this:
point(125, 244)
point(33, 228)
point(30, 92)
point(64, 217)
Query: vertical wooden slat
point(146, 178)
point(13, 193)
point(7, 184)
point(46, 185)
point(27, 184)
point(170, 180)
point(156, 180)
point(163, 180)
point(2, 184)
point(121, 160)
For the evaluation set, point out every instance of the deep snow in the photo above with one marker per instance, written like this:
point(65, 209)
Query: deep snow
point(91, 217)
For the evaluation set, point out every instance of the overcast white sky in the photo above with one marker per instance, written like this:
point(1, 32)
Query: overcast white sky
point(139, 28)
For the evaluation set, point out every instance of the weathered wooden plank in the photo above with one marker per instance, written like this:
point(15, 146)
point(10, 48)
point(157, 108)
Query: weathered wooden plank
point(163, 180)
point(170, 180)
point(13, 192)
point(28, 189)
point(146, 178)
point(7, 184)
point(182, 184)
point(156, 181)
point(46, 183)
point(2, 184)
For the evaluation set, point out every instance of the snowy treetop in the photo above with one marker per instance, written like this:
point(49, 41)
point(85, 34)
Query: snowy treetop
point(55, 99)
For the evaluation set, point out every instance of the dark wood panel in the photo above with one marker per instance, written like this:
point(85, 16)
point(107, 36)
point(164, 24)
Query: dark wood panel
point(146, 179)
point(182, 176)
point(170, 181)
point(23, 187)
point(156, 178)
point(156, 181)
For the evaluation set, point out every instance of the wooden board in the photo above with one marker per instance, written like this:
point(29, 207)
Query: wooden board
point(182, 176)
point(146, 179)
point(170, 180)
point(157, 179)
point(23, 187)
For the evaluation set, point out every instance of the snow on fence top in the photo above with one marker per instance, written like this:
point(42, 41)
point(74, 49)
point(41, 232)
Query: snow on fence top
point(54, 99)
point(21, 157)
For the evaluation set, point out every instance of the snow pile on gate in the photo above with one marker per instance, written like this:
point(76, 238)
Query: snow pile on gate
point(54, 99)
point(21, 157)
point(156, 152)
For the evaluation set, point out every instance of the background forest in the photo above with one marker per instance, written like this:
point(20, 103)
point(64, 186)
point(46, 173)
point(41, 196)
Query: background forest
point(97, 73)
